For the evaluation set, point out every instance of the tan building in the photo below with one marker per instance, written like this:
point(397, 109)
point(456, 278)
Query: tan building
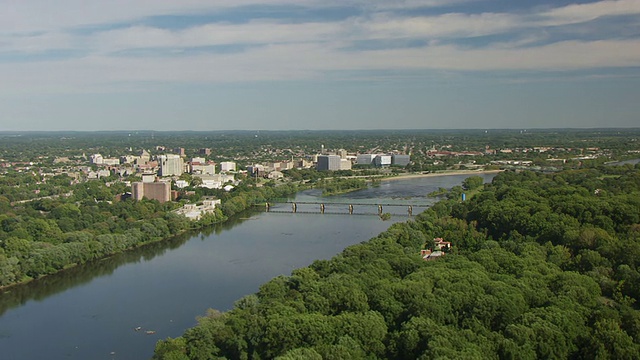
point(160, 191)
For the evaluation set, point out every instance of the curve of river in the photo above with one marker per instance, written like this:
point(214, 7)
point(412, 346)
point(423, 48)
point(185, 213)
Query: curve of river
point(92, 311)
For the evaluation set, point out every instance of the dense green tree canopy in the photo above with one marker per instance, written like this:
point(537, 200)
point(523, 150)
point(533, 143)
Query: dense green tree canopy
point(542, 266)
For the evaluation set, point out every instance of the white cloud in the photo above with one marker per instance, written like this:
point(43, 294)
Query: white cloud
point(308, 61)
point(255, 32)
point(579, 13)
point(46, 15)
point(286, 51)
point(446, 25)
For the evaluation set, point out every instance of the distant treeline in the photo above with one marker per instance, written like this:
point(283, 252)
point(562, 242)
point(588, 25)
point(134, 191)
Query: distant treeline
point(543, 266)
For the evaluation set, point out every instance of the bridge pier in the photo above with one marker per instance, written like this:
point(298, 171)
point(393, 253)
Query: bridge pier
point(322, 208)
point(350, 209)
point(379, 209)
point(267, 206)
point(410, 210)
point(294, 207)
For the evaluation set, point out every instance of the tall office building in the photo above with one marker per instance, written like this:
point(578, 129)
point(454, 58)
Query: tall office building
point(328, 162)
point(365, 159)
point(400, 160)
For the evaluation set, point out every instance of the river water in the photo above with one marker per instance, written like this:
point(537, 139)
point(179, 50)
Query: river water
point(92, 311)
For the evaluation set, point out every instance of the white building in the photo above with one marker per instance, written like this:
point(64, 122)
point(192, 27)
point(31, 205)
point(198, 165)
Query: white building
point(128, 159)
point(345, 164)
point(97, 159)
point(195, 212)
point(227, 166)
point(202, 168)
point(170, 165)
point(181, 184)
point(111, 161)
point(215, 181)
point(275, 175)
point(382, 160)
point(148, 178)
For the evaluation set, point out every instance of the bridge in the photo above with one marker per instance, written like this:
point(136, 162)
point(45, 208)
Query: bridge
point(348, 207)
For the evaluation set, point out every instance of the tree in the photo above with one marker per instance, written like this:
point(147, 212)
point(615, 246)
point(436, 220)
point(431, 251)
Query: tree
point(472, 182)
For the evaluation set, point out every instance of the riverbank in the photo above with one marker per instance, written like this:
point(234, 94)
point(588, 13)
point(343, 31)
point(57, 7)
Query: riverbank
point(132, 230)
point(436, 174)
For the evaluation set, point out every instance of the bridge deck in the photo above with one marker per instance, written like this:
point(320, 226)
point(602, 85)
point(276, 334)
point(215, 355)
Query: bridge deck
point(329, 213)
point(343, 203)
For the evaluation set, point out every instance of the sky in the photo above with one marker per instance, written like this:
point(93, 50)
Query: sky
point(318, 64)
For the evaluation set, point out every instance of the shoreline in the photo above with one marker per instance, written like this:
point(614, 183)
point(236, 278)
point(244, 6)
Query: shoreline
point(452, 172)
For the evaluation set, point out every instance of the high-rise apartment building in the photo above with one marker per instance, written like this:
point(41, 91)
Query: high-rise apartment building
point(170, 165)
point(160, 191)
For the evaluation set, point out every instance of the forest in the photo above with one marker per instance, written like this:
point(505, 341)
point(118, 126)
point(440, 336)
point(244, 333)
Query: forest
point(540, 266)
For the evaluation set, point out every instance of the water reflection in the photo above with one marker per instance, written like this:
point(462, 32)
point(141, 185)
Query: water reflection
point(47, 286)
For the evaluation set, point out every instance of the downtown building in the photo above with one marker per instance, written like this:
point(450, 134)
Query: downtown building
point(160, 191)
point(227, 166)
point(328, 162)
point(170, 165)
point(400, 160)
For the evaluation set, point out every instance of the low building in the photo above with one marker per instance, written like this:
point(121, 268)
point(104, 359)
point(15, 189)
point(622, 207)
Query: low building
point(181, 184)
point(111, 161)
point(304, 164)
point(148, 178)
point(195, 212)
point(92, 175)
point(202, 168)
point(439, 243)
point(96, 159)
point(438, 246)
point(227, 166)
point(215, 181)
point(128, 159)
point(345, 164)
point(275, 175)
point(428, 255)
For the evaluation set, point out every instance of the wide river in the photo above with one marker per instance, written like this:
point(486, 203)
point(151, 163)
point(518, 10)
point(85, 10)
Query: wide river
point(92, 311)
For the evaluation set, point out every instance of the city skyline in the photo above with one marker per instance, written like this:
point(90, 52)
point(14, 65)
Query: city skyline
point(310, 65)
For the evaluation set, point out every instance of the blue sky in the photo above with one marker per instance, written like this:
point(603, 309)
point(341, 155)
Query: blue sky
point(318, 64)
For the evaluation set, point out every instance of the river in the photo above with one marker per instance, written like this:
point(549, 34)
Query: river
point(91, 311)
